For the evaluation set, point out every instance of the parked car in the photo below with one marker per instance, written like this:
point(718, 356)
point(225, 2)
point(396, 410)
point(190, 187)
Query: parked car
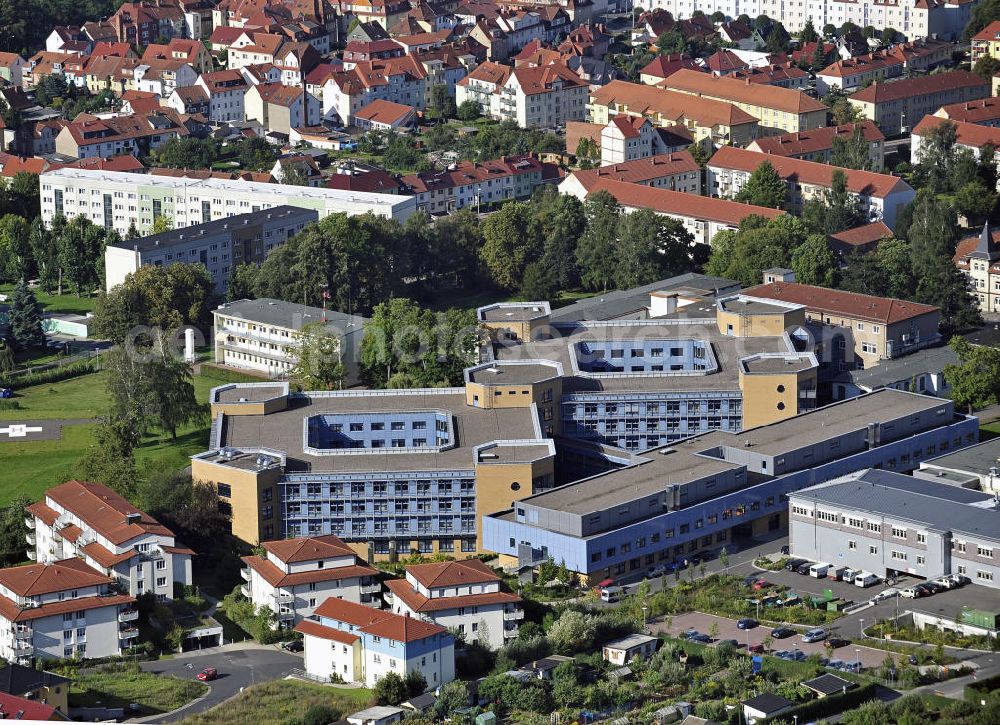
point(782, 632)
point(885, 594)
point(817, 634)
point(935, 587)
point(794, 564)
point(836, 642)
point(865, 579)
point(657, 571)
point(803, 569)
point(960, 579)
point(835, 664)
point(927, 588)
point(756, 648)
point(699, 637)
point(946, 582)
point(911, 593)
point(798, 655)
point(761, 584)
point(208, 674)
point(294, 645)
point(746, 623)
point(782, 654)
point(611, 594)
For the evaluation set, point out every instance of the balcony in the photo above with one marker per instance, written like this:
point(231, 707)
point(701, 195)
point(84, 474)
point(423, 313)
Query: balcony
point(285, 614)
point(510, 633)
point(30, 538)
point(23, 634)
point(23, 649)
point(128, 615)
point(29, 521)
point(32, 555)
point(283, 598)
point(513, 616)
point(127, 633)
point(245, 573)
point(373, 588)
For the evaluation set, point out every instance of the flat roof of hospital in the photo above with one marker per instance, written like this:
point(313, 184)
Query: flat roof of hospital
point(284, 430)
point(726, 349)
point(680, 462)
point(978, 459)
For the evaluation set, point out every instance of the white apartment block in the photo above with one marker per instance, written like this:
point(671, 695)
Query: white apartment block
point(627, 138)
point(63, 609)
point(464, 596)
point(913, 18)
point(91, 522)
point(226, 90)
point(538, 97)
point(264, 335)
point(219, 245)
point(362, 644)
point(296, 575)
point(116, 200)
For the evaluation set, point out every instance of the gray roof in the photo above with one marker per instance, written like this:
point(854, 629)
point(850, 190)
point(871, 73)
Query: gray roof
point(828, 684)
point(768, 703)
point(184, 235)
point(633, 302)
point(897, 370)
point(937, 506)
point(267, 311)
point(977, 459)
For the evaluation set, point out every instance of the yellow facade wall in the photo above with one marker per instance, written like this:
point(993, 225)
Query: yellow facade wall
point(499, 485)
point(249, 490)
point(770, 325)
point(768, 398)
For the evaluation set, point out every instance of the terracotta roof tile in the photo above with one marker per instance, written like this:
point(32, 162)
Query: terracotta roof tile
point(920, 86)
point(105, 511)
point(729, 89)
point(277, 578)
point(864, 234)
point(640, 171)
point(378, 622)
point(452, 573)
point(419, 603)
point(980, 111)
point(10, 610)
point(383, 111)
point(807, 172)
point(847, 304)
point(670, 105)
point(308, 548)
point(35, 579)
point(46, 513)
point(966, 134)
point(315, 629)
point(818, 139)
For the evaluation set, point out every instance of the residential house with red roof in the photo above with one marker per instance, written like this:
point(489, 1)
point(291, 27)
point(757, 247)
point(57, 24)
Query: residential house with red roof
point(475, 183)
point(89, 136)
point(192, 52)
point(862, 239)
point(226, 90)
point(630, 138)
point(675, 171)
point(11, 68)
point(986, 43)
point(882, 328)
point(465, 596)
point(979, 258)
point(897, 106)
point(882, 196)
point(163, 75)
point(969, 136)
point(983, 112)
point(383, 115)
point(191, 100)
point(400, 80)
point(142, 23)
point(92, 522)
point(293, 576)
point(531, 96)
point(817, 144)
point(702, 216)
point(663, 66)
point(63, 609)
point(361, 644)
point(280, 108)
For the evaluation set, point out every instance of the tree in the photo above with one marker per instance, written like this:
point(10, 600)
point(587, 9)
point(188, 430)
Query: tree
point(572, 632)
point(975, 380)
point(171, 395)
point(838, 210)
point(851, 152)
point(186, 152)
point(894, 258)
point(777, 39)
point(840, 107)
point(814, 263)
point(45, 253)
point(242, 282)
point(161, 224)
point(111, 461)
point(25, 319)
point(511, 244)
point(757, 245)
point(764, 188)
point(319, 366)
point(453, 696)
point(541, 281)
point(81, 252)
point(7, 362)
point(671, 42)
point(808, 33)
point(443, 102)
point(320, 714)
point(650, 247)
point(468, 111)
point(818, 61)
point(595, 252)
point(829, 30)
point(254, 154)
point(587, 149)
point(416, 683)
point(975, 201)
point(986, 67)
point(15, 247)
point(390, 689)
point(13, 549)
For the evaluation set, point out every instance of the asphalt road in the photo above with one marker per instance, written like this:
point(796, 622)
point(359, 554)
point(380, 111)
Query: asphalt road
point(238, 667)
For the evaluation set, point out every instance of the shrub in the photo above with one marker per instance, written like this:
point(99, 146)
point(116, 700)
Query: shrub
point(320, 715)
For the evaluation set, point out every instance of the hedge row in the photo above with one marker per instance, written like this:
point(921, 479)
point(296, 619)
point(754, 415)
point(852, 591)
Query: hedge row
point(53, 375)
point(829, 705)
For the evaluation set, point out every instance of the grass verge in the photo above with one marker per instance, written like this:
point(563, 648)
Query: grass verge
point(119, 686)
point(280, 701)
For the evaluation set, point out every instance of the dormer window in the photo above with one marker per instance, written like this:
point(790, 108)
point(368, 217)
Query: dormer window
point(319, 564)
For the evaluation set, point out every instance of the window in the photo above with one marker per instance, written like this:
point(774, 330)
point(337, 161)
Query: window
point(161, 581)
point(898, 555)
point(985, 552)
point(873, 550)
point(984, 576)
point(921, 560)
point(874, 527)
point(852, 545)
point(898, 532)
point(225, 490)
point(161, 564)
point(921, 537)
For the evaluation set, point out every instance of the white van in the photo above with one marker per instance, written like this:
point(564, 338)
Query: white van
point(819, 570)
point(866, 579)
point(611, 594)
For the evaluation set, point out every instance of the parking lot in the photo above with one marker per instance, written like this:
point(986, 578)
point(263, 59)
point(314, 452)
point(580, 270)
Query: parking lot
point(727, 630)
point(803, 584)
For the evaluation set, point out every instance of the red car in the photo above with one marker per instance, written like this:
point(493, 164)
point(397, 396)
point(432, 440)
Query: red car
point(762, 584)
point(208, 674)
point(757, 648)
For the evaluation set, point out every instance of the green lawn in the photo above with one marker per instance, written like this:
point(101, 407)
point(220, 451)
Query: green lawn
point(119, 687)
point(31, 468)
point(68, 303)
point(281, 701)
point(988, 431)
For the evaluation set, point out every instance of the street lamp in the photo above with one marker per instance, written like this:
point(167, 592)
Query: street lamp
point(857, 655)
point(862, 620)
point(644, 610)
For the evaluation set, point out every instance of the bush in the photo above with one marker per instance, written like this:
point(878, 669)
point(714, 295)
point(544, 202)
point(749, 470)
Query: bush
point(10, 405)
point(831, 704)
point(52, 375)
point(320, 715)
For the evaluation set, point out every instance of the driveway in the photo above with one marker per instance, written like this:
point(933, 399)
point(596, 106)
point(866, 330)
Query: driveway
point(727, 630)
point(239, 666)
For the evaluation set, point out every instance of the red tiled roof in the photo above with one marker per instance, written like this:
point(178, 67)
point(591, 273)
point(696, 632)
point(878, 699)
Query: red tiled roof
point(308, 548)
point(20, 708)
point(724, 61)
point(806, 172)
point(818, 139)
point(846, 304)
point(105, 558)
point(452, 573)
point(729, 89)
point(864, 234)
point(488, 72)
point(383, 111)
point(40, 510)
point(678, 203)
point(378, 622)
point(671, 105)
point(979, 111)
point(315, 629)
point(966, 134)
point(920, 86)
point(468, 172)
point(71, 533)
point(9, 610)
point(34, 579)
point(990, 32)
point(277, 578)
point(640, 171)
point(663, 66)
point(105, 511)
point(419, 603)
